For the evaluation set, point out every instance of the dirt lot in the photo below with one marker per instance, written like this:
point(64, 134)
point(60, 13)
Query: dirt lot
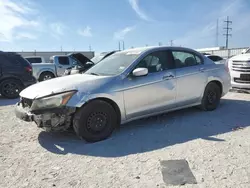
point(216, 146)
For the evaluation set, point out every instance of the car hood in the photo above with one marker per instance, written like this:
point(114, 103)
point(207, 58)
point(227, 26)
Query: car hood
point(241, 57)
point(80, 82)
point(80, 57)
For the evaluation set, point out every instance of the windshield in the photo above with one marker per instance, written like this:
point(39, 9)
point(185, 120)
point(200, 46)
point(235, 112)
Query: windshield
point(97, 58)
point(114, 64)
point(248, 51)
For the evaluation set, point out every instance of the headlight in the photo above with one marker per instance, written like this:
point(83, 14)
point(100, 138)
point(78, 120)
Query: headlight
point(52, 101)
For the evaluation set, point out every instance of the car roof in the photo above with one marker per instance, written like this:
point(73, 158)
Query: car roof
point(9, 53)
point(141, 50)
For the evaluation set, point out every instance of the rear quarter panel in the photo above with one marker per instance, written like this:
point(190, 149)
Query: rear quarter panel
point(39, 68)
point(217, 72)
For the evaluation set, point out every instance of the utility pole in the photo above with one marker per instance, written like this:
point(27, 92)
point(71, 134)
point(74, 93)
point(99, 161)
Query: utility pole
point(119, 46)
point(123, 45)
point(160, 43)
point(171, 42)
point(227, 28)
point(217, 33)
point(61, 48)
point(90, 49)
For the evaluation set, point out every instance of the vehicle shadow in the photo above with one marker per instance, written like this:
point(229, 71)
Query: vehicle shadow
point(7, 102)
point(155, 133)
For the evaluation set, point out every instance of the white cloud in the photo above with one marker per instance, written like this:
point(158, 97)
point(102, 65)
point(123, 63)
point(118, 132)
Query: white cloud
point(122, 33)
point(135, 5)
point(57, 29)
point(26, 36)
point(13, 16)
point(86, 32)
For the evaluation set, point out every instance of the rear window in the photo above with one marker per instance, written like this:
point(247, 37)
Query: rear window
point(63, 60)
point(17, 59)
point(34, 59)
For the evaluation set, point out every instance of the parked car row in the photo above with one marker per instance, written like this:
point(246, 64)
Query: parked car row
point(62, 65)
point(125, 86)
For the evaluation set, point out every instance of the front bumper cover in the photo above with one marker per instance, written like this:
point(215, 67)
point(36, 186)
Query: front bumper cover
point(56, 119)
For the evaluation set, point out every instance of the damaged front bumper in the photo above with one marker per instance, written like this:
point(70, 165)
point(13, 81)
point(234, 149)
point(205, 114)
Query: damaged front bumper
point(56, 119)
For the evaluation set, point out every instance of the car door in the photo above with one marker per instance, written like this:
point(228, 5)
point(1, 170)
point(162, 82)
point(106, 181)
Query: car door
point(190, 77)
point(63, 63)
point(154, 92)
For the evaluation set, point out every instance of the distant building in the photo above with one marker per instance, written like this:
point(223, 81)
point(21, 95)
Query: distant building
point(222, 51)
point(48, 54)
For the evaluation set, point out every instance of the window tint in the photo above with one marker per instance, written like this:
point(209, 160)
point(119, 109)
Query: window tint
point(185, 59)
point(156, 62)
point(34, 59)
point(3, 61)
point(215, 58)
point(17, 60)
point(63, 60)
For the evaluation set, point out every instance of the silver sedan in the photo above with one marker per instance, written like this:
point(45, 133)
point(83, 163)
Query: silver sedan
point(127, 85)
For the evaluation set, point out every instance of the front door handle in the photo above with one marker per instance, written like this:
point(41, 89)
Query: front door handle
point(60, 66)
point(202, 69)
point(167, 77)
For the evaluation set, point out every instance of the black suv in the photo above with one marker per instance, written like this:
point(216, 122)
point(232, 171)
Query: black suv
point(15, 74)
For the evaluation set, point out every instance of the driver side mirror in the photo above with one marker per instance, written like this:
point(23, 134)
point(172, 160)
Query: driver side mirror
point(140, 72)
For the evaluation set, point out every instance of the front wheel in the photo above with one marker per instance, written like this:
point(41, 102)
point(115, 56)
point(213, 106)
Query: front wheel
point(10, 88)
point(211, 97)
point(95, 121)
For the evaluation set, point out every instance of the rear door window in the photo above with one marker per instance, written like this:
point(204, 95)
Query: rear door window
point(18, 60)
point(63, 60)
point(3, 61)
point(215, 58)
point(185, 59)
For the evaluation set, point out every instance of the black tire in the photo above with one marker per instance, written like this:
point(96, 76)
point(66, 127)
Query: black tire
point(95, 121)
point(10, 88)
point(211, 98)
point(46, 76)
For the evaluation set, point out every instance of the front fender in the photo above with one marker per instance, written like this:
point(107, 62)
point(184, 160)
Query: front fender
point(79, 99)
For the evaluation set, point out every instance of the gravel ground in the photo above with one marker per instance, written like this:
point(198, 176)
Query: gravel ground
point(215, 144)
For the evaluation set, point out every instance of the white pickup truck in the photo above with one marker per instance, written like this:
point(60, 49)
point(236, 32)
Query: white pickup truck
point(239, 68)
point(58, 64)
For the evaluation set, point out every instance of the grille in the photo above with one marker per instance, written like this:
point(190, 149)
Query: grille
point(241, 66)
point(26, 102)
point(244, 78)
point(238, 80)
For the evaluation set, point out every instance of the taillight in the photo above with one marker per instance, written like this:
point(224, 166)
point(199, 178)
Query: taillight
point(28, 69)
point(227, 65)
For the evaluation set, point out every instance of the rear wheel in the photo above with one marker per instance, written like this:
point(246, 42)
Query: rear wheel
point(211, 97)
point(95, 121)
point(46, 76)
point(10, 88)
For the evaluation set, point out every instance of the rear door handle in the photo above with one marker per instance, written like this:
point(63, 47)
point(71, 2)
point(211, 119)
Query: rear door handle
point(167, 77)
